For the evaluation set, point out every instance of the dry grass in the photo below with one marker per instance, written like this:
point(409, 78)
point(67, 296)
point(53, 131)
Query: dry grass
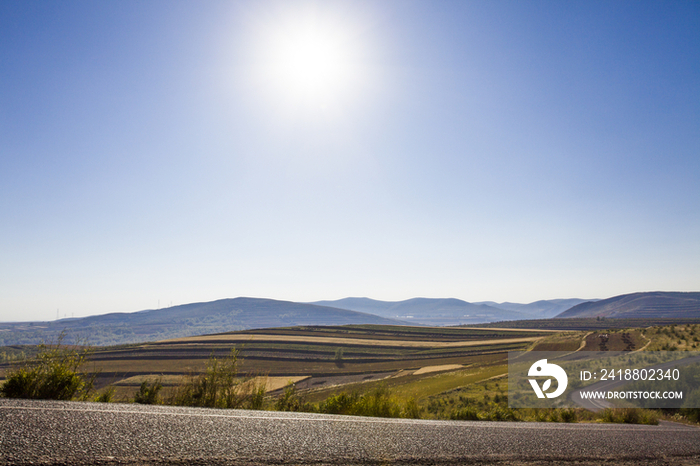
point(137, 380)
point(444, 367)
point(275, 383)
point(685, 337)
point(563, 342)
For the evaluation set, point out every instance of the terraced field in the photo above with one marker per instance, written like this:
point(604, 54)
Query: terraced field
point(436, 372)
point(488, 369)
point(414, 362)
point(582, 324)
point(320, 356)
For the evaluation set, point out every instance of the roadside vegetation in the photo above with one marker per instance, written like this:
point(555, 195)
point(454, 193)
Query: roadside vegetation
point(488, 401)
point(55, 373)
point(462, 383)
point(378, 402)
point(491, 404)
point(219, 386)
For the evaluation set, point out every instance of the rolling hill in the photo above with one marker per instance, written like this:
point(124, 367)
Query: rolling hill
point(646, 305)
point(227, 315)
point(429, 311)
point(223, 315)
point(542, 309)
point(454, 311)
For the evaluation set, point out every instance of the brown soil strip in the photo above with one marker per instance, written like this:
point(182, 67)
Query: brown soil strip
point(349, 341)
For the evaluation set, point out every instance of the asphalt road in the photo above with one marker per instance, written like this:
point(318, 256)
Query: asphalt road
point(39, 432)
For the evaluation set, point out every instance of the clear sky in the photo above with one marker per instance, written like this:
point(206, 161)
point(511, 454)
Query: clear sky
point(170, 152)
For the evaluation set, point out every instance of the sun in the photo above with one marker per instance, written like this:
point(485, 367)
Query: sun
point(310, 61)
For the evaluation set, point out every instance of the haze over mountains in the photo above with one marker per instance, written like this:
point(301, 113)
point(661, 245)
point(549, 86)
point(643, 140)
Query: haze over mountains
point(224, 315)
point(227, 315)
point(450, 311)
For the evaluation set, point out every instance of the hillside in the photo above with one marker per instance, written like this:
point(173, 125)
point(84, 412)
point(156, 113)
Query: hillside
point(429, 311)
point(647, 305)
point(323, 357)
point(586, 324)
point(539, 309)
point(186, 320)
point(454, 311)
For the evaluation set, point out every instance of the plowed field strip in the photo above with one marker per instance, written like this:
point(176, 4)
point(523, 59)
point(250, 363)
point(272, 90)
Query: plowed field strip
point(347, 341)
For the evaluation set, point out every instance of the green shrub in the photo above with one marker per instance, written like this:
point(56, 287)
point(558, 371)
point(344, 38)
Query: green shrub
point(568, 415)
point(217, 387)
point(149, 393)
point(55, 374)
point(412, 410)
point(290, 400)
point(257, 396)
point(465, 414)
point(630, 416)
point(692, 414)
point(378, 403)
point(342, 403)
point(500, 413)
point(107, 396)
point(608, 415)
point(649, 417)
point(539, 415)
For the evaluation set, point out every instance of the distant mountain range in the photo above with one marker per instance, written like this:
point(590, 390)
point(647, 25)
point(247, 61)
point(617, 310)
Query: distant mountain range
point(541, 309)
point(227, 315)
point(224, 315)
point(658, 304)
point(452, 311)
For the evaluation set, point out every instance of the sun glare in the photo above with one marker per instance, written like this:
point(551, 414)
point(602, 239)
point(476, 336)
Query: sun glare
point(311, 62)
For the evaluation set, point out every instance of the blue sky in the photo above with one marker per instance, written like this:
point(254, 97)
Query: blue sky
point(171, 152)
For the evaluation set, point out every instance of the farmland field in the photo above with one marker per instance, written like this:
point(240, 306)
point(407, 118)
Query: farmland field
point(415, 362)
point(314, 357)
point(438, 371)
point(581, 324)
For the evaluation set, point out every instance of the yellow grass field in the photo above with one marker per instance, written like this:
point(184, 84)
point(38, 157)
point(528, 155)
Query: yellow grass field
point(444, 367)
